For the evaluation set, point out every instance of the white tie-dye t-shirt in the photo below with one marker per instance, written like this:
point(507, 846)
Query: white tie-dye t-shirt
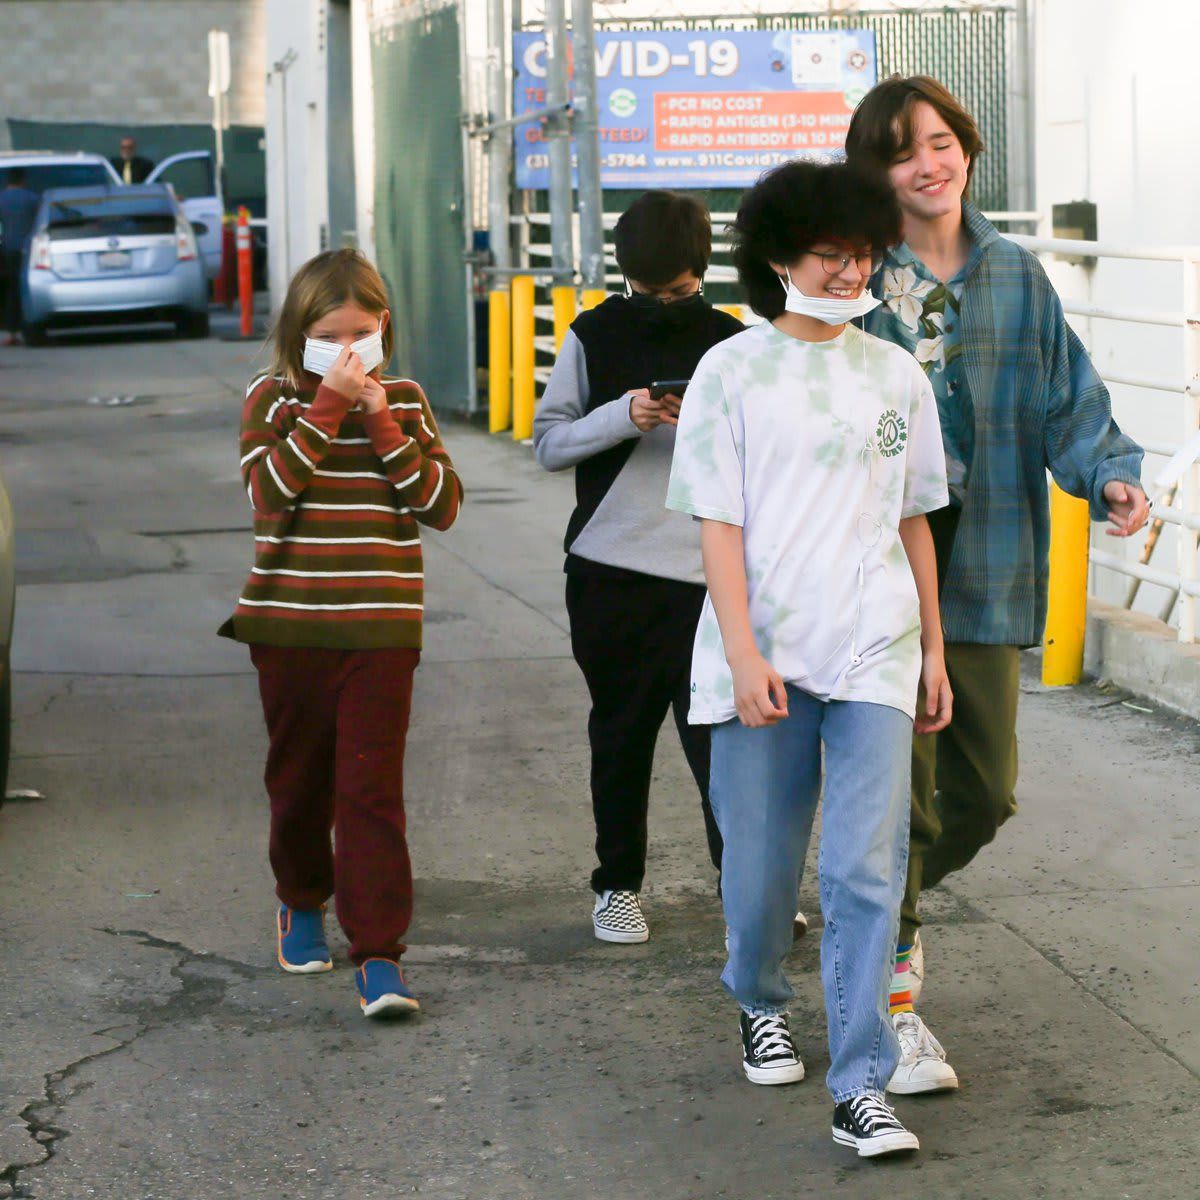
point(817, 449)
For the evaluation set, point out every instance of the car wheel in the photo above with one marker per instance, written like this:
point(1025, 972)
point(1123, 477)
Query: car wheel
point(5, 726)
point(192, 325)
point(34, 333)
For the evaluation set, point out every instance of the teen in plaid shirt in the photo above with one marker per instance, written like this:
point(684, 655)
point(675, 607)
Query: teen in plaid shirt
point(1016, 395)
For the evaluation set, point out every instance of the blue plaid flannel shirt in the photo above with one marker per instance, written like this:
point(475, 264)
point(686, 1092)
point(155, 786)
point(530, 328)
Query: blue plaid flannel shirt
point(1039, 404)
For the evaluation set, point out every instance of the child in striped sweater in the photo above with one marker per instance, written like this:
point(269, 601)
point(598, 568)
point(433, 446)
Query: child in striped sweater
point(341, 466)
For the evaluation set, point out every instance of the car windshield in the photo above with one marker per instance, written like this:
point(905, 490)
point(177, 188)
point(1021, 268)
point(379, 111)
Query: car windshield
point(109, 216)
point(41, 176)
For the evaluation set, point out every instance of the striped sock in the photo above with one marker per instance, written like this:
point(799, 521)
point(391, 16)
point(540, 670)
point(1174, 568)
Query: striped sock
point(900, 998)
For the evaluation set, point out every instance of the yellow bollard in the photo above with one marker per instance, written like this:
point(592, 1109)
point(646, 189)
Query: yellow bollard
point(499, 361)
point(593, 297)
point(734, 310)
point(563, 299)
point(523, 396)
point(1066, 618)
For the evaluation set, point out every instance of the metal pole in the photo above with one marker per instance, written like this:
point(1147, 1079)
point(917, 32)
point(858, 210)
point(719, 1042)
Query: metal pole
point(1022, 170)
point(1189, 485)
point(466, 214)
point(523, 392)
point(281, 68)
point(499, 147)
point(587, 150)
point(558, 133)
point(1066, 616)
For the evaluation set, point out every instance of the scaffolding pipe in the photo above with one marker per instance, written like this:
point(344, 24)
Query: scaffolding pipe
point(587, 148)
point(499, 158)
point(499, 149)
point(558, 135)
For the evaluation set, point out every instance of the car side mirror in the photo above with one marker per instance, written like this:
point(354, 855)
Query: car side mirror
point(199, 228)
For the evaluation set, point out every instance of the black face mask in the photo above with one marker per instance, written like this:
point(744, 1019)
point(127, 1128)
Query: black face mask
point(667, 314)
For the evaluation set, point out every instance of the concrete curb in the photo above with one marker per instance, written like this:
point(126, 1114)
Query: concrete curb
point(1142, 654)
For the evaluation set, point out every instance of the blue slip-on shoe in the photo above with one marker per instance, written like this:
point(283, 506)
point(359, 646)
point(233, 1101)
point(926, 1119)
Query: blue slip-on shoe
point(382, 991)
point(300, 940)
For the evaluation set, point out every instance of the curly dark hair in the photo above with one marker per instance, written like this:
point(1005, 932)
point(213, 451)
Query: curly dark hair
point(798, 205)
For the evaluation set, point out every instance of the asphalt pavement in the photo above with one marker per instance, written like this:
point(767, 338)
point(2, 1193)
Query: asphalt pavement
point(153, 1050)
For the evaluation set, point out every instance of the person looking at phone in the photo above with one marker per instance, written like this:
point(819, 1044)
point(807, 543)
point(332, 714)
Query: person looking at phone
point(635, 584)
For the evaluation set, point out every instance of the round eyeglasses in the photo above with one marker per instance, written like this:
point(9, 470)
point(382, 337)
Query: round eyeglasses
point(836, 261)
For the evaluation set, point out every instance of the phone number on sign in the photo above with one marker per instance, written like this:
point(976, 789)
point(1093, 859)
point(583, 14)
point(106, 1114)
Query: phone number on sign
point(539, 162)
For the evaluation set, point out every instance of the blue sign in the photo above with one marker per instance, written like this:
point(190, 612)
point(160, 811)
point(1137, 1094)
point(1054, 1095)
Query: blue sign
point(693, 109)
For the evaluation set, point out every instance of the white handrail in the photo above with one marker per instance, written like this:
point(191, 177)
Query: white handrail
point(1081, 249)
point(1182, 470)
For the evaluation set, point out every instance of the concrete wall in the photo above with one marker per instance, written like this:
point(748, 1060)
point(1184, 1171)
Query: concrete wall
point(126, 60)
point(297, 198)
point(320, 165)
point(1116, 123)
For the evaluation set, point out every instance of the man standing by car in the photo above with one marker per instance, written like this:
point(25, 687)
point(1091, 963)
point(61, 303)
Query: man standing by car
point(130, 165)
point(18, 207)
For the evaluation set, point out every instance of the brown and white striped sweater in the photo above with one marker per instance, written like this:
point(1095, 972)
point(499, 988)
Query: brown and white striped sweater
point(337, 500)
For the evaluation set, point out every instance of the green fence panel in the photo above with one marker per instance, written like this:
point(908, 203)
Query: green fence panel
point(420, 200)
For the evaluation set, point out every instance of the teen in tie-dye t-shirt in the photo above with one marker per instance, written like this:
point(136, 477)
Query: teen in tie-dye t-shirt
point(810, 452)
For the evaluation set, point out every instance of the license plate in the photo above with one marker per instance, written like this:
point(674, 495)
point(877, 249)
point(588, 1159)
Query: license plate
point(115, 260)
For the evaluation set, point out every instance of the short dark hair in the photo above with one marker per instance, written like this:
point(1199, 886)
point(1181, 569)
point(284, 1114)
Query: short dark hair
point(799, 204)
point(661, 235)
point(882, 125)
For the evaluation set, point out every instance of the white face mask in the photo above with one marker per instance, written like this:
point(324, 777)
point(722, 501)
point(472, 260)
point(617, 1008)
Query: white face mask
point(320, 356)
point(827, 308)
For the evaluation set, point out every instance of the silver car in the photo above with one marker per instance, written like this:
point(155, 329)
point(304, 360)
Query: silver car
point(112, 254)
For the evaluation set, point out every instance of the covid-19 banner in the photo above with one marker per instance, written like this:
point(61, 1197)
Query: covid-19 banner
point(684, 108)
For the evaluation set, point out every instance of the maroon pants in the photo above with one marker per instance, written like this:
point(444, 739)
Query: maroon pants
point(337, 721)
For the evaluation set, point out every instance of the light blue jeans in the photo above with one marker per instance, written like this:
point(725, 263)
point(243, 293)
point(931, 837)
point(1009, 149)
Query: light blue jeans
point(765, 787)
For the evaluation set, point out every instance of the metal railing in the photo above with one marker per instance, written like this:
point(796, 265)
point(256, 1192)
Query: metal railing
point(1175, 486)
point(538, 256)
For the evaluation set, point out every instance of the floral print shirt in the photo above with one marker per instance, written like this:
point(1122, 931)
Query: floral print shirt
point(923, 315)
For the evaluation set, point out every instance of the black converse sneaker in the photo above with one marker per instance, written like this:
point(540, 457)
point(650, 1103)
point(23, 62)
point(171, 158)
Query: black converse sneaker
point(617, 917)
point(768, 1052)
point(869, 1124)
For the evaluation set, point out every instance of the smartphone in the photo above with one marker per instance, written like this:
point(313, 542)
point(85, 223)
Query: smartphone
point(665, 387)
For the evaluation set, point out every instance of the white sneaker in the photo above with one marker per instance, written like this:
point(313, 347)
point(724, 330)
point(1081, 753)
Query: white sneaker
point(617, 917)
point(909, 977)
point(923, 1066)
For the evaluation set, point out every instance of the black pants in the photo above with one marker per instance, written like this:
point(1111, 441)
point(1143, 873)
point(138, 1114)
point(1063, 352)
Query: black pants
point(12, 291)
point(632, 638)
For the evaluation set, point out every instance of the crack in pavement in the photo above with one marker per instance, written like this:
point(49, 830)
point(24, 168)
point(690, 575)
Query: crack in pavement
point(198, 994)
point(59, 694)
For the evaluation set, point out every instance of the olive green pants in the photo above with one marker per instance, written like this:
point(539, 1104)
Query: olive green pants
point(963, 778)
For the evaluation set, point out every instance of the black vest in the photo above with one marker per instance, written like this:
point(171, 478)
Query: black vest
point(623, 351)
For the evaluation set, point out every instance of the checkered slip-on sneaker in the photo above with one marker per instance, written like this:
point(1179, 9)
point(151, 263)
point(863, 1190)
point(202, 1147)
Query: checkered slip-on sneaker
point(617, 917)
